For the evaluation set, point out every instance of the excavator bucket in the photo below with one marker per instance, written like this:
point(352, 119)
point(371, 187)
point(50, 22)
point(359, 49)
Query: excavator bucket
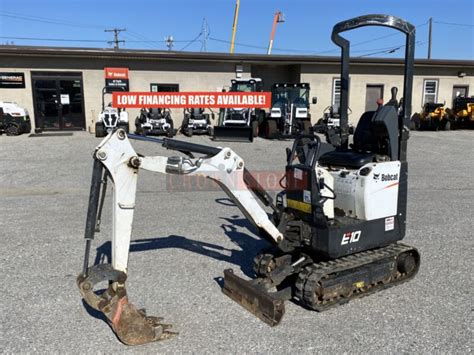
point(233, 133)
point(131, 325)
point(254, 298)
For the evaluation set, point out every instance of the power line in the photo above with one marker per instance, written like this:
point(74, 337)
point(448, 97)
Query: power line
point(191, 42)
point(319, 52)
point(47, 20)
point(390, 50)
point(74, 24)
point(383, 49)
point(130, 38)
point(55, 39)
point(83, 40)
point(454, 24)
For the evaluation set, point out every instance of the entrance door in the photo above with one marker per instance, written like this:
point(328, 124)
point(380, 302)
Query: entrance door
point(372, 94)
point(460, 90)
point(58, 102)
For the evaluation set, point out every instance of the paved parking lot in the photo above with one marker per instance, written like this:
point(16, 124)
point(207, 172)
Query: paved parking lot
point(184, 240)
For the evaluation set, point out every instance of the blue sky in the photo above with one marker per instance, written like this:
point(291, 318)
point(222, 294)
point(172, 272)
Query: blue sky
point(306, 30)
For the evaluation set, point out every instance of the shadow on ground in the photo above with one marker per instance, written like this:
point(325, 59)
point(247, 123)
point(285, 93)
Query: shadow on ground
point(242, 256)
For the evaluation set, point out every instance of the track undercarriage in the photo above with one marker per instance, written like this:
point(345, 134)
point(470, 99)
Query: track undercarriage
point(319, 285)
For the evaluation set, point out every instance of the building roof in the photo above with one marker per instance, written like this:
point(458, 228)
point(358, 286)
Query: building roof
point(140, 54)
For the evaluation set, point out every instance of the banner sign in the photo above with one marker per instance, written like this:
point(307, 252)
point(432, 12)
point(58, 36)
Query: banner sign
point(12, 80)
point(117, 78)
point(191, 99)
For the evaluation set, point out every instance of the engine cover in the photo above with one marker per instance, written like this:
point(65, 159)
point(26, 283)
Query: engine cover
point(368, 193)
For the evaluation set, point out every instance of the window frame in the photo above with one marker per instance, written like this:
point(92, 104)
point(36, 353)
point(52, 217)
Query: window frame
point(425, 81)
point(164, 85)
point(333, 91)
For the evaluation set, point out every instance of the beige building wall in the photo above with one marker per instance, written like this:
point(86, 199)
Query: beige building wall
point(23, 97)
point(211, 75)
point(191, 76)
point(140, 80)
point(322, 86)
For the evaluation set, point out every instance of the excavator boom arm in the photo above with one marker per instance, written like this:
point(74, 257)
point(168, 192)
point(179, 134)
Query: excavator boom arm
point(115, 159)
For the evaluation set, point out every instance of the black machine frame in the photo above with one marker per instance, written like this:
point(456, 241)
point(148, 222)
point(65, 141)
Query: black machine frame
point(385, 21)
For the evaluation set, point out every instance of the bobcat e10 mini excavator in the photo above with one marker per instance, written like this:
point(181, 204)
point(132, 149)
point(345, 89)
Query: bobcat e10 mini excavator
point(335, 229)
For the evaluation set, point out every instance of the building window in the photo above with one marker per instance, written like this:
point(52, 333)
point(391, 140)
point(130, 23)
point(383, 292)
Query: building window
point(336, 93)
point(164, 87)
point(430, 91)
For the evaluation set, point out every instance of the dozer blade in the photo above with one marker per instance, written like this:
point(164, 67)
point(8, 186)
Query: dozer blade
point(233, 134)
point(253, 298)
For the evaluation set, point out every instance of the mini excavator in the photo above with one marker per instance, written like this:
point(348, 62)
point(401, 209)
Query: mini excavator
point(334, 230)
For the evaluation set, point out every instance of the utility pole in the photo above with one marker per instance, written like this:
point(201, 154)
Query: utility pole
point(234, 26)
point(278, 18)
point(169, 42)
point(430, 31)
point(116, 40)
point(205, 35)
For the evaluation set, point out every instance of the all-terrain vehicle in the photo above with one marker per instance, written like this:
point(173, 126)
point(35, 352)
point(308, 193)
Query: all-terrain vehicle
point(289, 114)
point(154, 121)
point(14, 120)
point(335, 229)
point(240, 124)
point(110, 118)
point(196, 121)
point(433, 117)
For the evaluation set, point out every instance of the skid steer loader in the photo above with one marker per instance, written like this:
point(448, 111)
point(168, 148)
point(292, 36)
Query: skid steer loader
point(240, 124)
point(334, 229)
point(289, 114)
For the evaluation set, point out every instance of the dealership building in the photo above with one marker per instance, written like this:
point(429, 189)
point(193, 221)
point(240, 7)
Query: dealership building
point(62, 87)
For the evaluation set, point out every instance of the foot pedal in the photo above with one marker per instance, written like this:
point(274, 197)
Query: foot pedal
point(254, 298)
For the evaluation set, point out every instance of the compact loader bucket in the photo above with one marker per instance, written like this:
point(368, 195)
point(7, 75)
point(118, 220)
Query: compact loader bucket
point(254, 298)
point(233, 133)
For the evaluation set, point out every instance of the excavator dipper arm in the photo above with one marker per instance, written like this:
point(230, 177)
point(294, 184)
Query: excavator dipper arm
point(116, 159)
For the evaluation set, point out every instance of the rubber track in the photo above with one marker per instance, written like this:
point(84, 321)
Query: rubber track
point(309, 278)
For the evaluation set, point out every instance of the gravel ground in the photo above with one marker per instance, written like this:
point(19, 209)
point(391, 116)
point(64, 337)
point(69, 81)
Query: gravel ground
point(184, 240)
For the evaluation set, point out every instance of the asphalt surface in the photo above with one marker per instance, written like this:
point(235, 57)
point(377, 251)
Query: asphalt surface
point(184, 240)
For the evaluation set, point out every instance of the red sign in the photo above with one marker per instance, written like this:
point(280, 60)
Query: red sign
point(116, 73)
point(192, 99)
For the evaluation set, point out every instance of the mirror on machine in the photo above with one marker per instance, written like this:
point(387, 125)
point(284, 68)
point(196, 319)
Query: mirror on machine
point(315, 100)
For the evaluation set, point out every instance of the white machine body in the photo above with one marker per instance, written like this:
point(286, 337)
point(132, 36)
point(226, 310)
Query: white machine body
point(111, 117)
point(301, 112)
point(151, 123)
point(237, 116)
point(368, 193)
point(333, 122)
point(13, 109)
point(275, 112)
point(326, 193)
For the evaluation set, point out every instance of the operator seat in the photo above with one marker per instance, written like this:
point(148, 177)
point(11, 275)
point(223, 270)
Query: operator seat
point(375, 139)
point(196, 112)
point(155, 113)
